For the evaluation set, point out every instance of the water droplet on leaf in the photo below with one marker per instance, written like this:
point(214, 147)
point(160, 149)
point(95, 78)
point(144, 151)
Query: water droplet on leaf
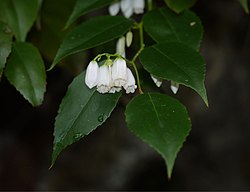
point(101, 118)
point(78, 136)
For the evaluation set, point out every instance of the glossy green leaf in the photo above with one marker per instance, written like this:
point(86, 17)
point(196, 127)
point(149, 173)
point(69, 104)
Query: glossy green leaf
point(83, 7)
point(91, 34)
point(160, 121)
point(82, 110)
point(163, 26)
point(177, 62)
point(26, 72)
point(180, 5)
point(5, 45)
point(19, 15)
point(244, 4)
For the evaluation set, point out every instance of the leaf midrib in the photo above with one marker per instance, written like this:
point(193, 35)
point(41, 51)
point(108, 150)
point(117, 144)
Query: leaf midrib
point(170, 25)
point(179, 67)
point(72, 125)
point(27, 75)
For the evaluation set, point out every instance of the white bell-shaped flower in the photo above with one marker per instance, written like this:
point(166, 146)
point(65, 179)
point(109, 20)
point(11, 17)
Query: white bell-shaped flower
point(130, 86)
point(114, 8)
point(156, 80)
point(127, 8)
point(119, 72)
point(92, 72)
point(104, 79)
point(129, 38)
point(174, 87)
point(120, 46)
point(138, 6)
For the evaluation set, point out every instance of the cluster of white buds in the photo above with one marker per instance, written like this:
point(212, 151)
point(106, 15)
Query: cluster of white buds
point(110, 77)
point(174, 86)
point(128, 7)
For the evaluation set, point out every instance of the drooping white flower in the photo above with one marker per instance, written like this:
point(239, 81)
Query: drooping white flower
point(128, 13)
point(114, 8)
point(128, 7)
point(130, 86)
point(104, 79)
point(156, 80)
point(138, 6)
point(92, 72)
point(119, 72)
point(120, 46)
point(174, 87)
point(129, 38)
point(126, 4)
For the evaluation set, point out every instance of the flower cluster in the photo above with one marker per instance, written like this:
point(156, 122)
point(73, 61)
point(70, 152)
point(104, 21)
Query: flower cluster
point(128, 7)
point(110, 77)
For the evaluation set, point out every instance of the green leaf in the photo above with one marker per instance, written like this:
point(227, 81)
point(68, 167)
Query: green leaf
point(177, 62)
point(5, 45)
point(82, 110)
point(180, 5)
point(244, 4)
point(160, 121)
point(91, 34)
point(83, 7)
point(19, 15)
point(163, 26)
point(25, 70)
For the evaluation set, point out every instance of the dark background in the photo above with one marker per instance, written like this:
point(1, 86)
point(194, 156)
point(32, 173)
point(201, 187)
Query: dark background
point(216, 155)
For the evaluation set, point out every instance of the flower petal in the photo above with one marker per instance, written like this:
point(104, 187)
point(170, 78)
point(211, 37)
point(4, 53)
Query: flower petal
point(130, 86)
point(91, 76)
point(139, 6)
point(104, 79)
point(119, 72)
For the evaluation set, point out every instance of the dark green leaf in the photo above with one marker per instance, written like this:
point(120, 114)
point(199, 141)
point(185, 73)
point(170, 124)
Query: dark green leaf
point(52, 23)
point(244, 4)
point(177, 62)
point(82, 110)
point(5, 45)
point(180, 5)
point(25, 70)
point(163, 26)
point(161, 121)
point(83, 7)
point(19, 15)
point(91, 34)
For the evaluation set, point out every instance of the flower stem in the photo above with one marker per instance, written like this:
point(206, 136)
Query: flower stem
point(140, 27)
point(137, 77)
point(150, 5)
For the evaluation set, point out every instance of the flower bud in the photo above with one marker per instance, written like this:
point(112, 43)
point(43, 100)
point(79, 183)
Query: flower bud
point(130, 86)
point(120, 46)
point(156, 80)
point(119, 72)
point(129, 38)
point(104, 79)
point(174, 87)
point(91, 76)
